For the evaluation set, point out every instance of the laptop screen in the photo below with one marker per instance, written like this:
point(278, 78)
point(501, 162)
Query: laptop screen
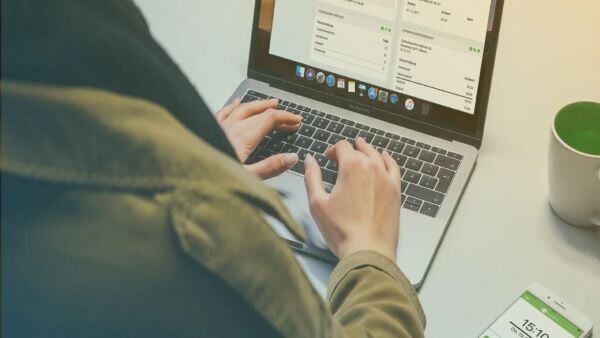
point(405, 57)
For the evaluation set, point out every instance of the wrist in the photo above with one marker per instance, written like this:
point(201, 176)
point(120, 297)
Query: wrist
point(351, 247)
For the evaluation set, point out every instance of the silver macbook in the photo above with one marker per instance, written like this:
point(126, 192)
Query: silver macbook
point(409, 76)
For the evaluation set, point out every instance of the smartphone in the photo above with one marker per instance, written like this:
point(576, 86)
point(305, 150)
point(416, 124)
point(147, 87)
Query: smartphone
point(538, 313)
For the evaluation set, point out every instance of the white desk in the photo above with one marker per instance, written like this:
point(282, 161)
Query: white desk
point(503, 235)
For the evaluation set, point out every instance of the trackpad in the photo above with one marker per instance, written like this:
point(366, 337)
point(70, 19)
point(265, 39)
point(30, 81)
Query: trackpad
point(295, 198)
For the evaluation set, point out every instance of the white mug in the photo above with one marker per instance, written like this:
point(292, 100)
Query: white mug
point(574, 176)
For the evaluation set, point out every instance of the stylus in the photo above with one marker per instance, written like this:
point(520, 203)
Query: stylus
point(312, 251)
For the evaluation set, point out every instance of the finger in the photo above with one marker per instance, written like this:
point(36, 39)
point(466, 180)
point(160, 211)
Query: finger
point(227, 110)
point(341, 153)
point(367, 149)
point(289, 128)
point(274, 165)
point(252, 108)
point(273, 119)
point(313, 179)
point(392, 167)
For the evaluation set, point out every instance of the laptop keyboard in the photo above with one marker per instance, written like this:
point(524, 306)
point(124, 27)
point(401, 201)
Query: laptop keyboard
point(427, 172)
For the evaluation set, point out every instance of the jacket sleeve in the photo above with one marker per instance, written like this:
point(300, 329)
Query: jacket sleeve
point(370, 297)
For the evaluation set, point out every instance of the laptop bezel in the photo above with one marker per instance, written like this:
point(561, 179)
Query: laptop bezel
point(416, 121)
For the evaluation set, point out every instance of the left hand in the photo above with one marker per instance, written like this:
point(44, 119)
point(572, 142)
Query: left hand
point(247, 124)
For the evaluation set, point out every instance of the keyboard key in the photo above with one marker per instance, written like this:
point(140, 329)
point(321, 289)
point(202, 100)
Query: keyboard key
point(404, 186)
point(455, 156)
point(438, 150)
point(248, 98)
point(411, 151)
point(319, 147)
point(412, 203)
point(280, 107)
point(403, 197)
point(347, 122)
point(322, 160)
point(289, 148)
point(320, 122)
point(411, 176)
point(318, 113)
point(377, 131)
point(303, 152)
point(380, 141)
point(292, 105)
point(425, 194)
point(408, 141)
point(329, 176)
point(445, 177)
point(303, 142)
point(335, 138)
point(303, 108)
point(335, 127)
point(322, 135)
point(292, 110)
point(275, 145)
point(332, 166)
point(395, 146)
point(307, 130)
point(400, 159)
point(423, 145)
point(350, 132)
point(264, 153)
point(428, 182)
point(362, 126)
point(430, 169)
point(392, 136)
point(427, 156)
point(275, 98)
point(285, 103)
point(264, 142)
point(366, 135)
point(332, 117)
point(257, 94)
point(447, 162)
point(414, 164)
point(429, 209)
point(288, 137)
point(299, 167)
point(307, 118)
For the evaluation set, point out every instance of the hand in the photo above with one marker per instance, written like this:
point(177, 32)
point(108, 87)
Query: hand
point(247, 124)
point(362, 212)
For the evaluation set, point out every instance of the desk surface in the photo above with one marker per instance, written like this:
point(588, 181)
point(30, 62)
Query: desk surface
point(503, 235)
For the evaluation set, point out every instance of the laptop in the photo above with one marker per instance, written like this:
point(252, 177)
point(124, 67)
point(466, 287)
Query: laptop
point(409, 76)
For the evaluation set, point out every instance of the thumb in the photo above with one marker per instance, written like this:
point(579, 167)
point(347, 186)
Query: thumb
point(313, 178)
point(273, 166)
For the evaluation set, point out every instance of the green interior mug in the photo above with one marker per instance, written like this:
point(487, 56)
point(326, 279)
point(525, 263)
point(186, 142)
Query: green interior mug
point(574, 164)
point(578, 125)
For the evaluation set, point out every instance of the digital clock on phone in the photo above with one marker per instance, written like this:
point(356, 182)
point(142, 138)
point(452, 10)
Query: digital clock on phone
point(537, 313)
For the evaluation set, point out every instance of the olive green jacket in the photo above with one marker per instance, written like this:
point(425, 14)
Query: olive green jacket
point(119, 222)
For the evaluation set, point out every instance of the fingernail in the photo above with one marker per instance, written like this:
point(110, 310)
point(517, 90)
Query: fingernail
point(308, 158)
point(290, 159)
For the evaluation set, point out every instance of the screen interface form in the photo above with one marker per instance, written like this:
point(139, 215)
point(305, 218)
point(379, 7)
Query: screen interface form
point(428, 49)
point(530, 317)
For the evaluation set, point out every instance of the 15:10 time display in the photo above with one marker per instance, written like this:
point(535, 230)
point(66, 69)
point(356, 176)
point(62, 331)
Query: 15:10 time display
point(531, 327)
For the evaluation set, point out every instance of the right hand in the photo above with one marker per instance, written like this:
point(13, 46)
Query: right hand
point(362, 212)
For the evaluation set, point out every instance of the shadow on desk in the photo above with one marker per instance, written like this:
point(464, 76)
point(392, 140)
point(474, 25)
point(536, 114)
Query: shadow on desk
point(583, 240)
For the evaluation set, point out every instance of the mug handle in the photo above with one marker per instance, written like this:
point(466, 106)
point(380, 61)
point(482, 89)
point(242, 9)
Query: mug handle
point(596, 220)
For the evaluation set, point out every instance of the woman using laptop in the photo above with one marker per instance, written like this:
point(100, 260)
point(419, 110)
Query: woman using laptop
point(126, 211)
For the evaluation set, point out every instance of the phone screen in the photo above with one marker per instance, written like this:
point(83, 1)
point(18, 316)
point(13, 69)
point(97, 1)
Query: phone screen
point(530, 317)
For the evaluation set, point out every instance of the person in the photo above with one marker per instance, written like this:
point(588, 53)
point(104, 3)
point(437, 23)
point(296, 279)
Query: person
point(126, 211)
